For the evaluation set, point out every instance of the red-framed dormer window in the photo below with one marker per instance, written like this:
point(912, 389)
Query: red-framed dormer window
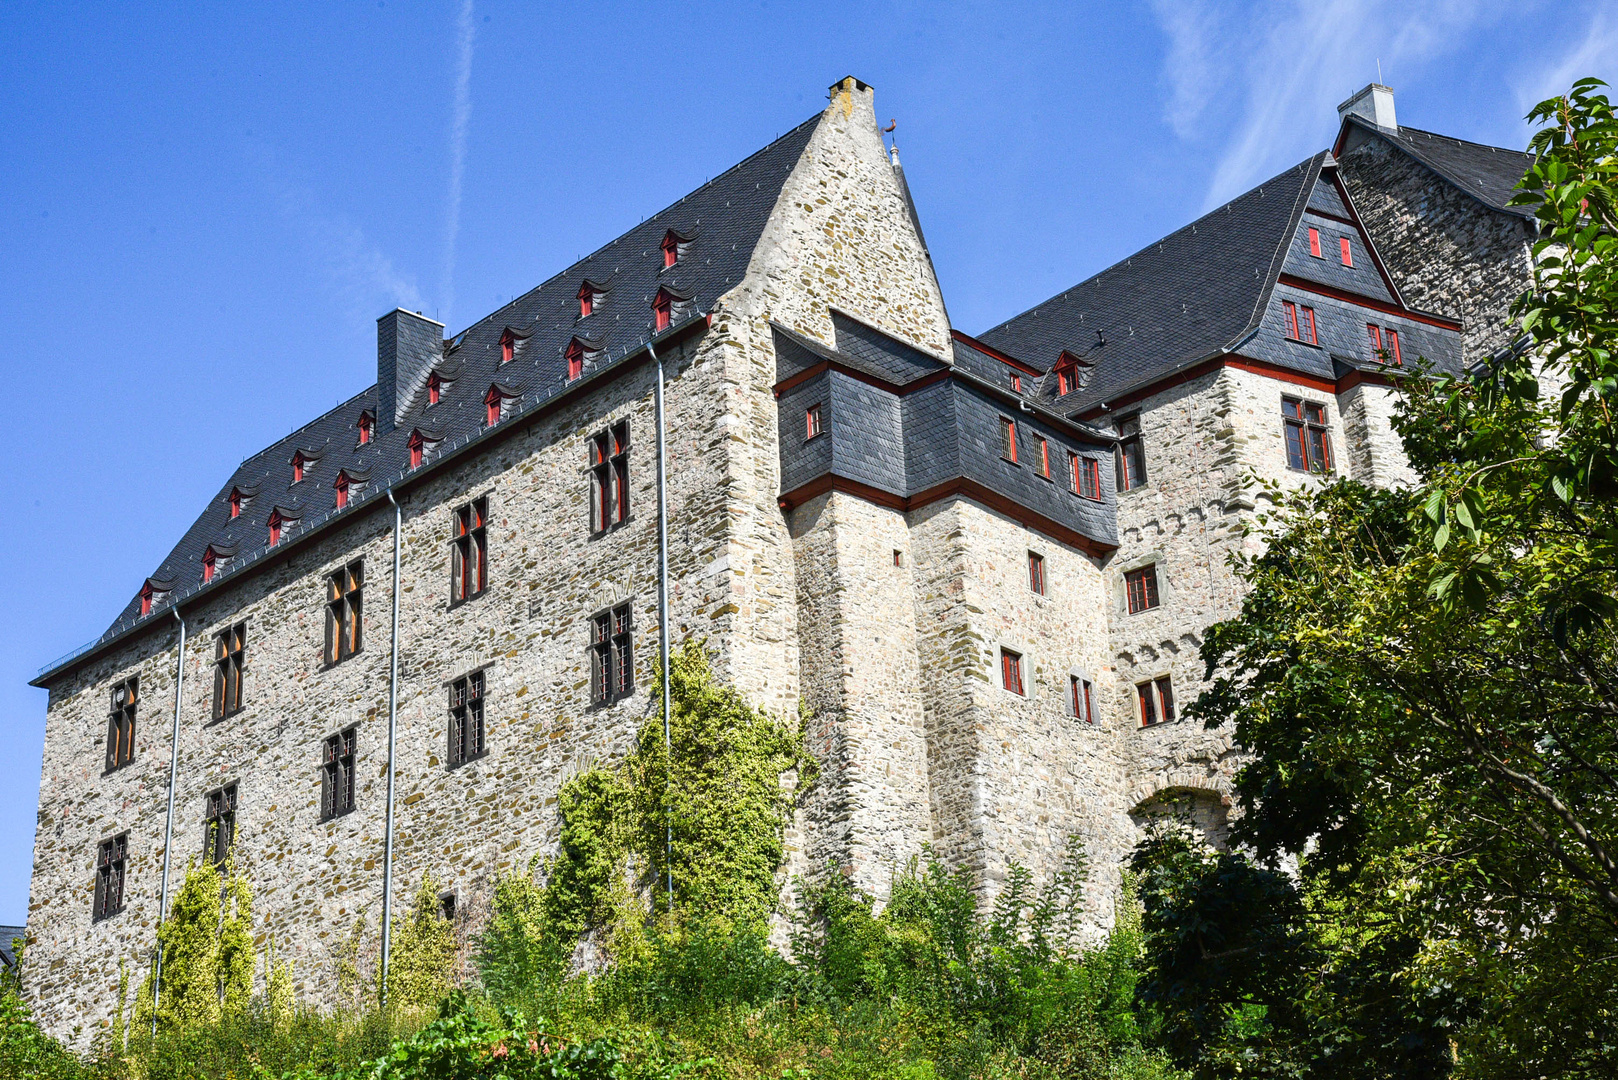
point(1314, 242)
point(1065, 379)
point(508, 346)
point(671, 249)
point(235, 502)
point(276, 522)
point(366, 424)
point(575, 360)
point(415, 445)
point(210, 562)
point(146, 592)
point(1016, 383)
point(1348, 252)
point(587, 300)
point(342, 490)
point(435, 388)
point(491, 406)
point(663, 309)
point(298, 464)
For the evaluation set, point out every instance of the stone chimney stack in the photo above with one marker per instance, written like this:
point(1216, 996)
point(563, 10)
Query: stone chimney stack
point(407, 347)
point(1374, 103)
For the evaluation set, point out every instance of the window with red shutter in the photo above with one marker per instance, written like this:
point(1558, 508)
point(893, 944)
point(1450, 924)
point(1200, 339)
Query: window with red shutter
point(1140, 588)
point(587, 300)
point(671, 249)
point(235, 503)
point(416, 445)
point(1348, 254)
point(1011, 671)
point(435, 388)
point(209, 562)
point(146, 593)
point(276, 521)
point(1314, 242)
point(367, 421)
point(492, 402)
point(508, 346)
point(342, 490)
point(662, 310)
point(297, 467)
point(1393, 347)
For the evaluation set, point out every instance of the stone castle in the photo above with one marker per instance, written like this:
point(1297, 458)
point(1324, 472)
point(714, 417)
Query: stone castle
point(984, 563)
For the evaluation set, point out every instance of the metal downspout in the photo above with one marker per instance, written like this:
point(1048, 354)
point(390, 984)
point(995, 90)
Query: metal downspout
point(393, 722)
point(168, 830)
point(663, 624)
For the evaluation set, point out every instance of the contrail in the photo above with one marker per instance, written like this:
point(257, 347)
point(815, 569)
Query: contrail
point(457, 150)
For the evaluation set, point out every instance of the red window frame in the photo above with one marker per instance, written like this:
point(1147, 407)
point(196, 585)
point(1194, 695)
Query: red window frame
point(1065, 380)
point(671, 249)
point(1011, 671)
point(1393, 347)
point(435, 388)
point(1082, 699)
point(1314, 242)
point(1016, 383)
point(1087, 477)
point(365, 425)
point(146, 593)
point(491, 407)
point(1044, 457)
point(1375, 333)
point(235, 503)
point(275, 523)
point(587, 301)
point(1140, 588)
point(811, 422)
point(342, 489)
point(1348, 252)
point(575, 360)
point(297, 467)
point(1036, 572)
point(416, 445)
point(1309, 320)
point(508, 347)
point(1308, 443)
point(209, 562)
point(1008, 439)
point(1290, 311)
point(663, 310)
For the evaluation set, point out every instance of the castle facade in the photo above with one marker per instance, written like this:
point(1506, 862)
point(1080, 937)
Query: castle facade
point(984, 563)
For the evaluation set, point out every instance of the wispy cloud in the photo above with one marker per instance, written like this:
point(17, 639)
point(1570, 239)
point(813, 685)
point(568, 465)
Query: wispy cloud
point(364, 277)
point(1594, 53)
point(462, 120)
point(1265, 80)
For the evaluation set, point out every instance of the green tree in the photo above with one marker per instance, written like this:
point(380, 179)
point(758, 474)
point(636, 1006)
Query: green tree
point(421, 958)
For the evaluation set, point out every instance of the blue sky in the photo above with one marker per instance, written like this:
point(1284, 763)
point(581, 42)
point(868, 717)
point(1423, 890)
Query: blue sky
point(206, 207)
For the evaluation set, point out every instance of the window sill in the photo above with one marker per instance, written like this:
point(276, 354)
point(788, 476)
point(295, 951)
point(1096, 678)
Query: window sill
point(1305, 344)
point(338, 663)
point(474, 598)
point(1138, 487)
point(1010, 461)
point(329, 818)
point(222, 717)
point(103, 918)
point(117, 768)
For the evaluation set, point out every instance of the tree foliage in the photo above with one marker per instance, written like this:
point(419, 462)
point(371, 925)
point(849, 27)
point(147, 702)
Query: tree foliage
point(1429, 678)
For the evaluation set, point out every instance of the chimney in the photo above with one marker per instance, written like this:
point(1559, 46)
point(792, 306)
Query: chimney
point(1373, 104)
point(407, 346)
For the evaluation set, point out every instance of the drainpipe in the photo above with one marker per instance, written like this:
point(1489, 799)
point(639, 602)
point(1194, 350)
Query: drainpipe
point(168, 830)
point(663, 624)
point(393, 727)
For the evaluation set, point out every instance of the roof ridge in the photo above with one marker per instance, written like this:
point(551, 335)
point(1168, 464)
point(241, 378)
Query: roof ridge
point(573, 266)
point(1457, 139)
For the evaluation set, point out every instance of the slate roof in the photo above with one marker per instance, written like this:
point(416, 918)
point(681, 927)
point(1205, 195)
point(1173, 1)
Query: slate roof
point(8, 952)
point(1489, 173)
point(722, 220)
point(1190, 296)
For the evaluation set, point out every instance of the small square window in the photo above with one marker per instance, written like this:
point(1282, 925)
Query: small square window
point(1036, 572)
point(812, 422)
point(1016, 383)
point(1141, 588)
point(898, 557)
point(1011, 671)
point(1156, 697)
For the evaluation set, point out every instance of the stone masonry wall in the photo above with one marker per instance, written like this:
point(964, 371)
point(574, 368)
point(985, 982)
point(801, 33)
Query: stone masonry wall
point(1447, 251)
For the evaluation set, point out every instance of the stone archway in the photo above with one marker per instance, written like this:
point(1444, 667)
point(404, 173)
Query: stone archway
point(1201, 801)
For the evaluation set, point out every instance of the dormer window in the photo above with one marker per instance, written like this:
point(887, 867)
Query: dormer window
point(508, 347)
point(435, 388)
point(587, 300)
point(235, 502)
point(1016, 383)
point(663, 310)
point(366, 424)
point(210, 563)
point(416, 445)
point(494, 405)
point(342, 490)
point(575, 359)
point(298, 465)
point(1067, 373)
point(671, 249)
point(276, 523)
point(146, 594)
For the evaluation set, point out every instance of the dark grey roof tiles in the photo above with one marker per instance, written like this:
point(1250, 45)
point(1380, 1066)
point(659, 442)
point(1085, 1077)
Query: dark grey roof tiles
point(718, 226)
point(1488, 173)
point(1191, 295)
